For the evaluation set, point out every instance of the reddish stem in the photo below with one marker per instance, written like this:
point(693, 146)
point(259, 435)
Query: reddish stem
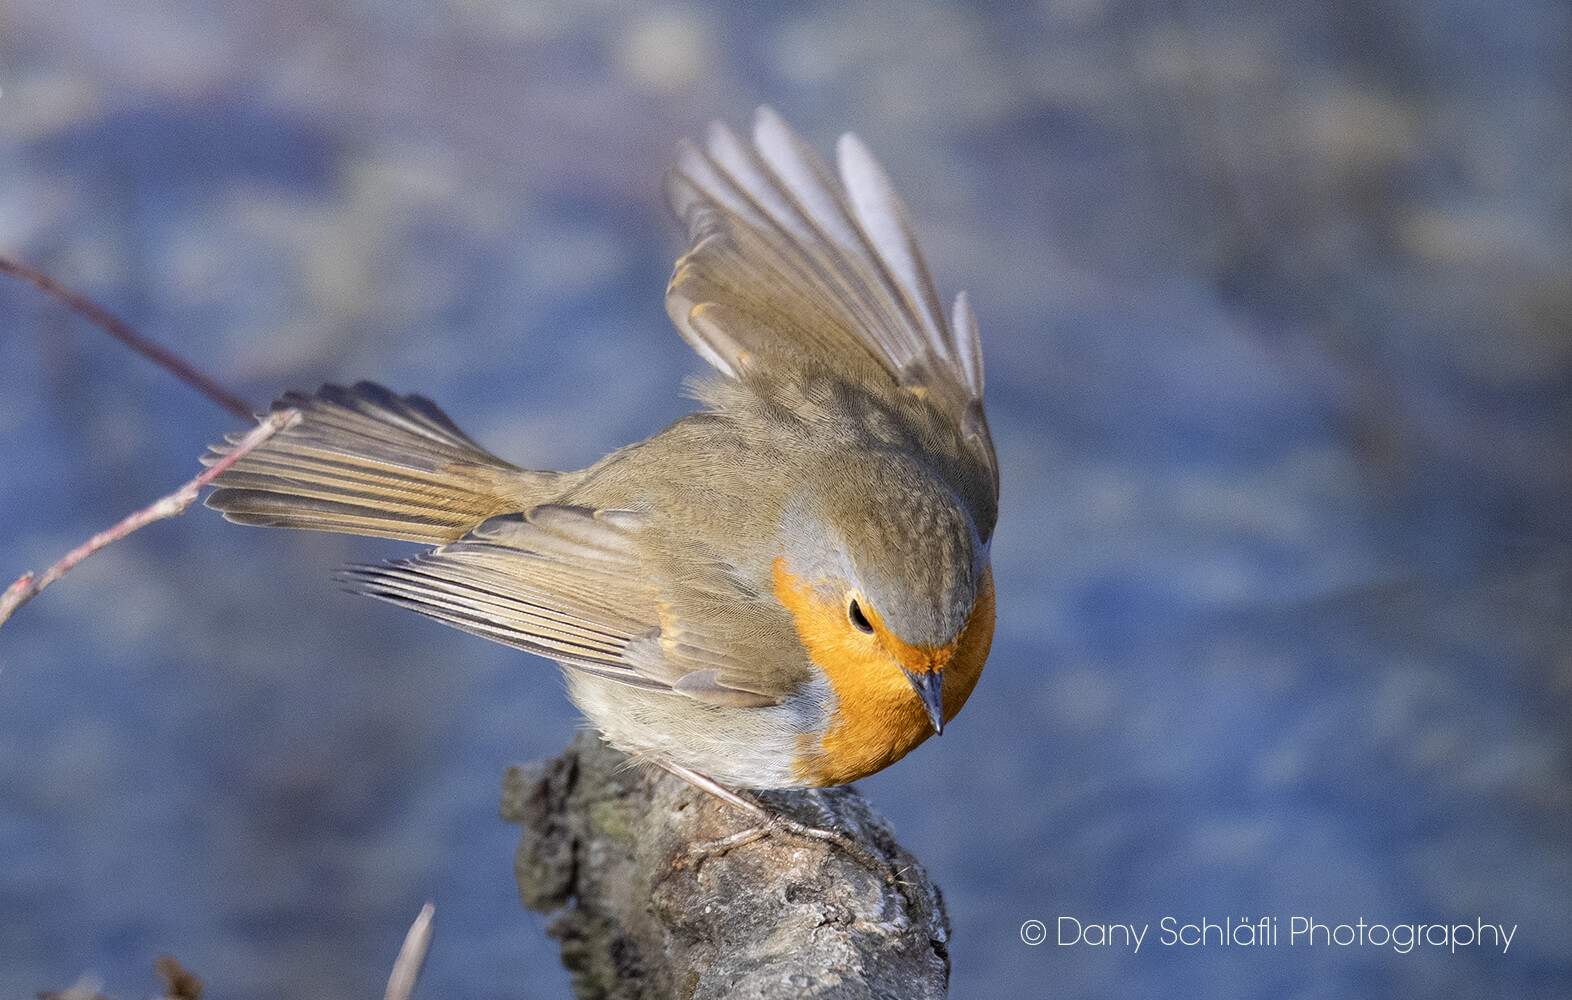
point(27, 586)
point(117, 328)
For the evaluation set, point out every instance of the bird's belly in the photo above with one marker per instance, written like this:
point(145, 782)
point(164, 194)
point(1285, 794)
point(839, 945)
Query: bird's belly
point(738, 747)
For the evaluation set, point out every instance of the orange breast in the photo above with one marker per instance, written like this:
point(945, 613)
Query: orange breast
point(880, 717)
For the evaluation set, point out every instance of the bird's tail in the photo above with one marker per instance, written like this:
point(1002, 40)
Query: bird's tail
point(364, 461)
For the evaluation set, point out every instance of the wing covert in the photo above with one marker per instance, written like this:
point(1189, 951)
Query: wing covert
point(572, 584)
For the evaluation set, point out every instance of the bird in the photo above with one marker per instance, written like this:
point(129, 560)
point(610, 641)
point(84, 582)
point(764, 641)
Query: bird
point(790, 587)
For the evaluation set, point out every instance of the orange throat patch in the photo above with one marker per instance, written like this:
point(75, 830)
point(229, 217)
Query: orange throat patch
point(879, 716)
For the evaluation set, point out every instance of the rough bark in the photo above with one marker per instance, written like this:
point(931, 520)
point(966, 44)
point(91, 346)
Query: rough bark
point(643, 910)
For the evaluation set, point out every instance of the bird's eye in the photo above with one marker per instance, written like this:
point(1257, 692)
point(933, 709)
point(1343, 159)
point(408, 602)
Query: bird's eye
point(860, 620)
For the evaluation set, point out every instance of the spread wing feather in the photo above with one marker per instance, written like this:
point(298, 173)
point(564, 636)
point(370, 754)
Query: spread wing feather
point(570, 583)
point(553, 581)
point(366, 461)
point(790, 263)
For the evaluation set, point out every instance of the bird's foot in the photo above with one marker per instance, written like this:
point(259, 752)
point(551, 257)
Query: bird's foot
point(767, 823)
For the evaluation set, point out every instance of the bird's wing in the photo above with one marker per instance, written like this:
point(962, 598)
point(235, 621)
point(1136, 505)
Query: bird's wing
point(790, 265)
point(365, 461)
point(571, 583)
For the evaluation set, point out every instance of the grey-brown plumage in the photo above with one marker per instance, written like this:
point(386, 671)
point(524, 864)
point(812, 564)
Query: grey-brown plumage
point(367, 462)
point(842, 444)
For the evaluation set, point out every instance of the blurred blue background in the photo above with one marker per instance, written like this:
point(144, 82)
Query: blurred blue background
point(1277, 310)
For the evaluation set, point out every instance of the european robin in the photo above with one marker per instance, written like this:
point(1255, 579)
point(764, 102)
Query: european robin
point(789, 588)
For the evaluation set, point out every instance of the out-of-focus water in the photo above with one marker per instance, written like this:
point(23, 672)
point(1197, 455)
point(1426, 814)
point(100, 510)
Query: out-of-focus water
point(1277, 308)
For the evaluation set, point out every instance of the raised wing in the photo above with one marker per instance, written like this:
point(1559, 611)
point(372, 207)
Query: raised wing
point(790, 264)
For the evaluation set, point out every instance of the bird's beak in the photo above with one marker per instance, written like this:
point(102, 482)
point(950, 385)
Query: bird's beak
point(930, 688)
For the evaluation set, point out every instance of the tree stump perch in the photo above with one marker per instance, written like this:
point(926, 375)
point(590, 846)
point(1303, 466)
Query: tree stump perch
point(644, 911)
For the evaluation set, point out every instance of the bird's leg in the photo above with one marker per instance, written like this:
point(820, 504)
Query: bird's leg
point(768, 822)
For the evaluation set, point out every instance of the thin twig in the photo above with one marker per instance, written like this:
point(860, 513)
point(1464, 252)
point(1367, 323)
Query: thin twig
point(28, 586)
point(117, 328)
point(406, 968)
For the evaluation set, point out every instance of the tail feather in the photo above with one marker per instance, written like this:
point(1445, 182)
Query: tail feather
point(365, 461)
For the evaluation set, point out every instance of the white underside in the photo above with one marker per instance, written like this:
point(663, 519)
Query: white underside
point(738, 747)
